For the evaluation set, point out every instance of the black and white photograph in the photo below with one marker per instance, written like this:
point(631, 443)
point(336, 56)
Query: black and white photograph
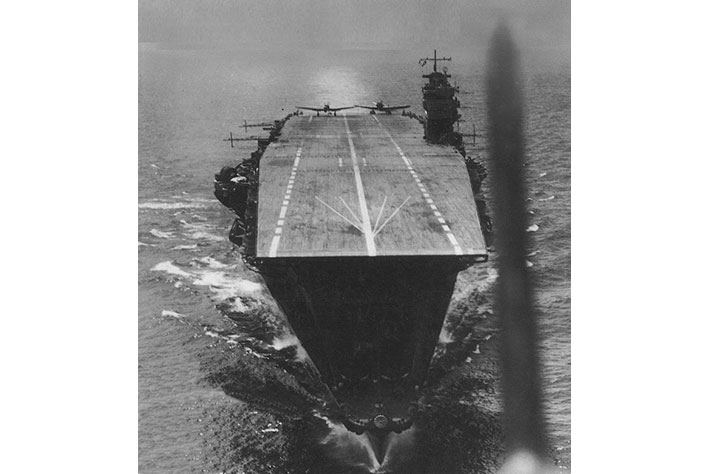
point(342, 237)
point(354, 236)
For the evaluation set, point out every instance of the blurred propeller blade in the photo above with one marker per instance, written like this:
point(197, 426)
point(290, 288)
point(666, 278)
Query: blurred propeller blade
point(523, 418)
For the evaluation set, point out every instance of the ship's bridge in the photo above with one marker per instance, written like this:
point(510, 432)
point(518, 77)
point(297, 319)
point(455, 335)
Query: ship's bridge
point(364, 185)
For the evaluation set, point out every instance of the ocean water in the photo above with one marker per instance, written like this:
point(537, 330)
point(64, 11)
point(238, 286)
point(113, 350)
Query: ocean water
point(191, 282)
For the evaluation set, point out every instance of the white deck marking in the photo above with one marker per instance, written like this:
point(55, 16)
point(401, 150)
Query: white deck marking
point(284, 205)
point(274, 245)
point(364, 215)
point(352, 223)
point(378, 229)
point(425, 193)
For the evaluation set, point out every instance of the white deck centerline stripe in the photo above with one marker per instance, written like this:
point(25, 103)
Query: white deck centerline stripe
point(364, 214)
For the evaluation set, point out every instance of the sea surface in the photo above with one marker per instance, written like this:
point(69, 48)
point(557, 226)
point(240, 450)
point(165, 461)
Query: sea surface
point(190, 276)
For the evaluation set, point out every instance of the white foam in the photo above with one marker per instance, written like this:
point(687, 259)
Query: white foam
point(533, 228)
point(168, 205)
point(547, 198)
point(486, 283)
point(524, 462)
point(213, 263)
point(199, 199)
point(169, 267)
point(200, 235)
point(249, 351)
point(213, 279)
point(288, 341)
point(172, 314)
point(197, 227)
point(226, 286)
point(161, 234)
point(141, 244)
point(249, 286)
point(341, 437)
point(239, 306)
point(445, 337)
point(543, 174)
point(185, 247)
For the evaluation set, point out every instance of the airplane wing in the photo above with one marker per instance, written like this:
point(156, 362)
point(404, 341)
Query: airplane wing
point(395, 107)
point(335, 109)
point(366, 107)
point(317, 109)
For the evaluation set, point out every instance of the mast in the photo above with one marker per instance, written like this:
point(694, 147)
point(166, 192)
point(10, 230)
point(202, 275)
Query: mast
point(440, 105)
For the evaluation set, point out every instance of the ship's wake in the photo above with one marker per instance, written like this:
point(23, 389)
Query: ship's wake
point(254, 357)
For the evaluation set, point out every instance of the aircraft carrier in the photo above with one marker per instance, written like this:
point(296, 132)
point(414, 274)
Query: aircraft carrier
point(359, 223)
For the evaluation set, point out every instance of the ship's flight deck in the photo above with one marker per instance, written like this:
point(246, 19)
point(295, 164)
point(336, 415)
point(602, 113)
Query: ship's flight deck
point(363, 185)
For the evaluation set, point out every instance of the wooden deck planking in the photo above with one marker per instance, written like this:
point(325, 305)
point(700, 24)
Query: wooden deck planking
point(321, 212)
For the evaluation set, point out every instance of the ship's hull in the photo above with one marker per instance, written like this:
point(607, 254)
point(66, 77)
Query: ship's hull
point(369, 325)
point(359, 228)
